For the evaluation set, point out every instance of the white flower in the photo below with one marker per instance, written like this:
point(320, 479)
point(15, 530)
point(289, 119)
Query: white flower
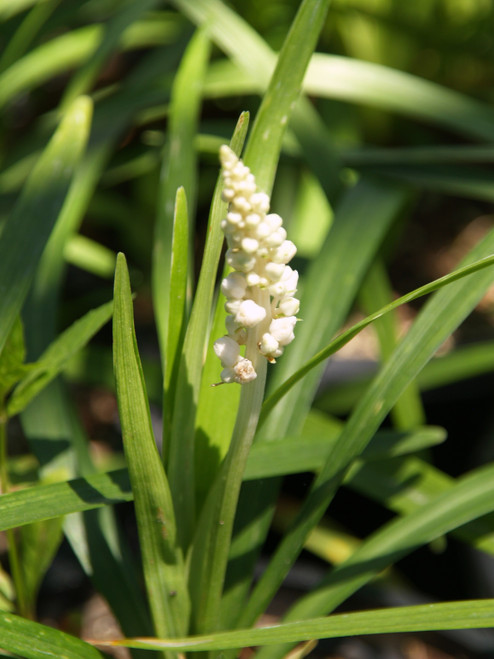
point(289, 306)
point(227, 350)
point(242, 372)
point(269, 346)
point(234, 285)
point(250, 314)
point(260, 292)
point(282, 329)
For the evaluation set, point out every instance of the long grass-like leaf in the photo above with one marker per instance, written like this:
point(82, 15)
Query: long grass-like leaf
point(128, 13)
point(43, 502)
point(469, 498)
point(251, 53)
point(347, 335)
point(49, 59)
point(438, 319)
point(178, 170)
point(375, 294)
point(56, 356)
point(29, 226)
point(209, 555)
point(473, 614)
point(462, 363)
point(162, 561)
point(181, 458)
point(31, 640)
point(177, 307)
point(293, 455)
point(360, 223)
point(366, 83)
point(404, 484)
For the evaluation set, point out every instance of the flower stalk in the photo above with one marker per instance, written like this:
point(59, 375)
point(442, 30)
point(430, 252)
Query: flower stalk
point(261, 316)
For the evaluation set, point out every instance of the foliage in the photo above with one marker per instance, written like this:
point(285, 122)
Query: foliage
point(376, 147)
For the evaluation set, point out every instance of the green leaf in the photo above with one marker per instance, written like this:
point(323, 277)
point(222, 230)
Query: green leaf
point(264, 145)
point(241, 42)
point(90, 256)
point(178, 304)
point(12, 367)
point(209, 554)
point(43, 502)
point(403, 485)
point(470, 498)
point(34, 641)
point(57, 355)
point(473, 614)
point(355, 81)
point(308, 452)
point(38, 545)
point(180, 466)
point(212, 438)
point(162, 561)
point(459, 181)
point(84, 77)
point(462, 363)
point(28, 227)
point(347, 335)
point(48, 60)
point(380, 86)
point(25, 34)
point(444, 312)
point(375, 293)
point(179, 169)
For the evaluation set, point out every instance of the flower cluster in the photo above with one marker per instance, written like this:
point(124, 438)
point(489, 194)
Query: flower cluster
point(260, 289)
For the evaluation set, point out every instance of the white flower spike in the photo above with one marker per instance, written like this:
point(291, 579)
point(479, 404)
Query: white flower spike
point(259, 292)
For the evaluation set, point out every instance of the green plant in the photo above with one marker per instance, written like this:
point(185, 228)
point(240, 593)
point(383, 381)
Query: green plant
point(204, 504)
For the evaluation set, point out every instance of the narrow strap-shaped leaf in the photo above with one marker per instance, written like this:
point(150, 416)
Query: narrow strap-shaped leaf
point(56, 356)
point(374, 294)
point(209, 554)
point(28, 228)
point(470, 498)
point(247, 48)
point(347, 335)
point(31, 640)
point(352, 80)
point(25, 34)
point(42, 502)
point(90, 255)
point(213, 438)
point(162, 560)
point(361, 221)
point(438, 319)
point(469, 181)
point(373, 84)
point(50, 59)
point(178, 308)
point(473, 614)
point(178, 170)
point(403, 485)
point(292, 455)
point(180, 467)
point(83, 79)
point(264, 146)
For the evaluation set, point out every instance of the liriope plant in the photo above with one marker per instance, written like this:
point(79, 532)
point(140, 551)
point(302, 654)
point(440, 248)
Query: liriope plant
point(261, 323)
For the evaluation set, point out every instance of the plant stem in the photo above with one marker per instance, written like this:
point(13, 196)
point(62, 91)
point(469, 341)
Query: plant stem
point(212, 544)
